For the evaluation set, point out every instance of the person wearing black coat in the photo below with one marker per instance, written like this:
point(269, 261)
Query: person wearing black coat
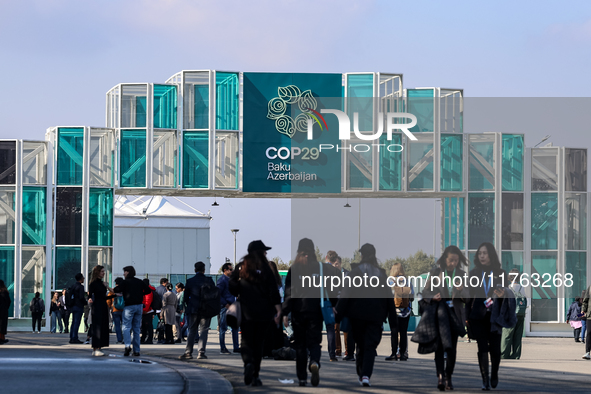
point(492, 280)
point(260, 303)
point(5, 302)
point(367, 308)
point(306, 313)
point(443, 299)
point(97, 292)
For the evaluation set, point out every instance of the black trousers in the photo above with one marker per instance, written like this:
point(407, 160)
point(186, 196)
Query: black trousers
point(147, 328)
point(399, 326)
point(66, 318)
point(253, 342)
point(37, 316)
point(440, 366)
point(367, 336)
point(588, 340)
point(168, 333)
point(307, 337)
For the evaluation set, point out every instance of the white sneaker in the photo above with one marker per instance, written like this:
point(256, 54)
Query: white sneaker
point(365, 381)
point(98, 353)
point(587, 356)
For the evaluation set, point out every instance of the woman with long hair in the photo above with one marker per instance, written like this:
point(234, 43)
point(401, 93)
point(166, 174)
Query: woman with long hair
point(260, 303)
point(5, 302)
point(492, 279)
point(97, 290)
point(403, 293)
point(306, 312)
point(444, 296)
point(56, 316)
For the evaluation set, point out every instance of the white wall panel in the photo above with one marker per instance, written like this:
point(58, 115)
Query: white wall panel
point(151, 248)
point(177, 255)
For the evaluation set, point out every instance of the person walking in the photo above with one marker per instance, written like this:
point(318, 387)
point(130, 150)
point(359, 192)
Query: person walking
point(331, 328)
point(180, 312)
point(583, 319)
point(586, 310)
point(403, 292)
point(161, 290)
point(97, 290)
point(65, 312)
point(337, 327)
point(367, 308)
point(169, 305)
point(76, 305)
point(148, 315)
point(441, 322)
point(479, 309)
point(227, 299)
point(56, 316)
point(133, 290)
point(37, 308)
point(573, 317)
point(306, 312)
point(512, 337)
point(116, 304)
point(260, 303)
point(5, 302)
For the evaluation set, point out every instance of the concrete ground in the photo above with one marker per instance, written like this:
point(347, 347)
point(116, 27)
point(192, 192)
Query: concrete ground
point(547, 365)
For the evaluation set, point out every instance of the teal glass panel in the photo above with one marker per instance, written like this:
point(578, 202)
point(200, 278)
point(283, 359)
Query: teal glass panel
point(544, 221)
point(360, 166)
point(133, 105)
point(420, 163)
point(100, 219)
point(140, 113)
point(544, 301)
point(471, 257)
point(481, 169)
point(201, 106)
point(70, 150)
point(512, 161)
point(576, 265)
point(34, 218)
point(32, 276)
point(451, 162)
point(7, 215)
point(421, 105)
point(67, 265)
point(360, 100)
point(575, 170)
point(544, 169)
point(7, 261)
point(195, 159)
point(576, 221)
point(454, 221)
point(510, 260)
point(227, 101)
point(512, 221)
point(481, 219)
point(165, 107)
point(133, 158)
point(391, 163)
point(446, 214)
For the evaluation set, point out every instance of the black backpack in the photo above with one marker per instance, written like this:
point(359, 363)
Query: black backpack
point(209, 304)
point(156, 301)
point(36, 307)
point(70, 300)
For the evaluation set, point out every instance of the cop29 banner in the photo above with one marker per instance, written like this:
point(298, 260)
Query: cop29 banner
point(279, 110)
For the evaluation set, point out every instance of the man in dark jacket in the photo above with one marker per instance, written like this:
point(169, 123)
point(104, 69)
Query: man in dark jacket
point(160, 290)
point(133, 290)
point(198, 327)
point(227, 299)
point(78, 308)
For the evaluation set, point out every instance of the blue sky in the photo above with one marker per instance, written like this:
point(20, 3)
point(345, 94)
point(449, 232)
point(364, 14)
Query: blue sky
point(60, 57)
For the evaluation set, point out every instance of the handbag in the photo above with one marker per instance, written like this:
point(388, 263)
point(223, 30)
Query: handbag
point(325, 305)
point(234, 314)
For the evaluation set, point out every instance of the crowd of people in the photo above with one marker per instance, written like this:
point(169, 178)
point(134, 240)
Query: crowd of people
point(251, 299)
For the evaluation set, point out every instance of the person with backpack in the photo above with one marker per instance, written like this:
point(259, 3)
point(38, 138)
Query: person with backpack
point(573, 317)
point(37, 308)
point(148, 313)
point(202, 302)
point(116, 303)
point(511, 337)
point(403, 292)
point(75, 301)
point(260, 303)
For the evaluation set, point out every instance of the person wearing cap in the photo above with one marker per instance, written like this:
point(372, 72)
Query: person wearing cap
point(367, 307)
point(306, 313)
point(260, 303)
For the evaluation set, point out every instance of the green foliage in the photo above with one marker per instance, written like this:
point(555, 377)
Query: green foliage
point(414, 265)
point(319, 256)
point(281, 266)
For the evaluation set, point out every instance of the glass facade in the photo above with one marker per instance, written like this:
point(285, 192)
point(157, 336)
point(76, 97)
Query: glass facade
point(482, 165)
point(544, 301)
point(34, 218)
point(512, 162)
point(132, 170)
point(68, 262)
point(451, 162)
point(7, 162)
point(510, 260)
point(165, 106)
point(576, 170)
point(100, 217)
point(544, 169)
point(195, 159)
point(102, 147)
point(391, 164)
point(7, 215)
point(544, 221)
point(454, 219)
point(7, 273)
point(481, 219)
point(68, 216)
point(420, 163)
point(421, 103)
point(575, 221)
point(70, 153)
point(512, 221)
point(227, 101)
point(33, 276)
point(360, 99)
point(104, 257)
point(133, 105)
point(34, 163)
point(164, 159)
point(196, 100)
point(360, 168)
point(226, 160)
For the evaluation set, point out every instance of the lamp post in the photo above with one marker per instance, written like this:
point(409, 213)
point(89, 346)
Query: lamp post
point(234, 231)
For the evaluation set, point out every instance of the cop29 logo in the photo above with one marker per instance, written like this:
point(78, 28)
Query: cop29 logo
point(279, 107)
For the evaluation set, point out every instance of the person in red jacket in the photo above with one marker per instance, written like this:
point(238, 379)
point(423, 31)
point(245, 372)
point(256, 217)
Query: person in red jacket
point(148, 316)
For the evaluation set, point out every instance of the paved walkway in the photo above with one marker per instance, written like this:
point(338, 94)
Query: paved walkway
point(547, 365)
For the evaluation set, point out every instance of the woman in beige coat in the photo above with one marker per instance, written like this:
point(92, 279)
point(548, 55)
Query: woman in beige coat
point(169, 305)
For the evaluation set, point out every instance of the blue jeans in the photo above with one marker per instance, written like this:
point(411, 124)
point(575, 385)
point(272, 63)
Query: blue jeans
point(132, 320)
point(583, 329)
point(117, 319)
point(56, 315)
point(77, 313)
point(224, 328)
point(332, 340)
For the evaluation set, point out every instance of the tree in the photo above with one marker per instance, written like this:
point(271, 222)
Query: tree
point(281, 266)
point(418, 264)
point(319, 255)
point(387, 265)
